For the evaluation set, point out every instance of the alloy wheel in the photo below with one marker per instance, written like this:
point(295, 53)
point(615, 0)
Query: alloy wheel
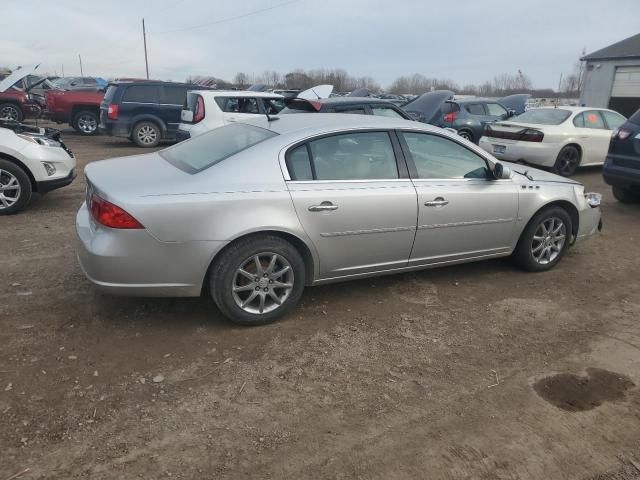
point(548, 240)
point(9, 112)
point(87, 123)
point(568, 162)
point(9, 189)
point(147, 135)
point(262, 283)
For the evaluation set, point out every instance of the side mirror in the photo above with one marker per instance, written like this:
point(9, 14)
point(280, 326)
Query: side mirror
point(186, 116)
point(500, 172)
point(511, 113)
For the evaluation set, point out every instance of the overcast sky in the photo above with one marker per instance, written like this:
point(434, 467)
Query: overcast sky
point(468, 41)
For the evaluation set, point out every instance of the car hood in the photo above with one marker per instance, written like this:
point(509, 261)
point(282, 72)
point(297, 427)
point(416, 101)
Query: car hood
point(16, 76)
point(515, 102)
point(525, 174)
point(428, 105)
point(314, 93)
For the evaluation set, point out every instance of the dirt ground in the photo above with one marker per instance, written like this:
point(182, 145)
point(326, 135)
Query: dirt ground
point(439, 374)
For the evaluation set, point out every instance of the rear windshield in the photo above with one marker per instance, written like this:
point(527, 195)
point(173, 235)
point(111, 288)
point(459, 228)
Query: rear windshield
point(635, 118)
point(212, 147)
point(543, 116)
point(111, 91)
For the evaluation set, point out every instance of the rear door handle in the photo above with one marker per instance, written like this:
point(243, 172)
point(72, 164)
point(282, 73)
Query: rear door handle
point(323, 207)
point(437, 202)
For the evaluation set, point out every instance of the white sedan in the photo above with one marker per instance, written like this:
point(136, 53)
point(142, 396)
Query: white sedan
point(562, 138)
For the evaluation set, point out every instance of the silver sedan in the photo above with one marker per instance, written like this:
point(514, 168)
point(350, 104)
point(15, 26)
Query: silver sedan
point(254, 212)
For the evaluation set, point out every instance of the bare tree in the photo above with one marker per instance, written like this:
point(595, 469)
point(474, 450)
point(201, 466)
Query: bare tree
point(241, 79)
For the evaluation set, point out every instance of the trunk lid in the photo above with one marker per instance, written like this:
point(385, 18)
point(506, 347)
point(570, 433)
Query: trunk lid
point(427, 108)
point(314, 93)
point(515, 102)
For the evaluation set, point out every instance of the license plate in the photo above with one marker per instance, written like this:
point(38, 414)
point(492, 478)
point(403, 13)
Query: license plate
point(499, 148)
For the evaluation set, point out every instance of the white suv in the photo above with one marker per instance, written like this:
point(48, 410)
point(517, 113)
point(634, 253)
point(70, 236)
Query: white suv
point(206, 110)
point(32, 159)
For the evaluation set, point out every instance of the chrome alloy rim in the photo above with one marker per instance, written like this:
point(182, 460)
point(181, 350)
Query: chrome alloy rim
point(87, 123)
point(9, 112)
point(262, 283)
point(569, 161)
point(548, 240)
point(147, 135)
point(9, 189)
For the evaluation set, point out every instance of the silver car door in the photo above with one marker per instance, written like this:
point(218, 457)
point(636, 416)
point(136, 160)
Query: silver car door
point(462, 213)
point(354, 200)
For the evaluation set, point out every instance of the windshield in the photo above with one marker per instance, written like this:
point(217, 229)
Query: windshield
point(205, 150)
point(543, 116)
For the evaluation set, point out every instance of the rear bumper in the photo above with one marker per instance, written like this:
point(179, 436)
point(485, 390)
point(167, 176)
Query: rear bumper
point(134, 263)
point(621, 176)
point(537, 153)
point(182, 135)
point(46, 186)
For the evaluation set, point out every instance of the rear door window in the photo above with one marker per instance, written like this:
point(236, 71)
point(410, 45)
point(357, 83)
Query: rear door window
point(475, 109)
point(175, 95)
point(350, 156)
point(238, 104)
point(141, 94)
point(496, 110)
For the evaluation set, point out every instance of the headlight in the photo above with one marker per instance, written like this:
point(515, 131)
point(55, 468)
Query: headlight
point(593, 199)
point(44, 141)
point(49, 167)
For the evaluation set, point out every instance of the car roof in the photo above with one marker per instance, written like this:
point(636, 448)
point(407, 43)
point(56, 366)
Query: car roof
point(240, 93)
point(572, 109)
point(347, 100)
point(292, 123)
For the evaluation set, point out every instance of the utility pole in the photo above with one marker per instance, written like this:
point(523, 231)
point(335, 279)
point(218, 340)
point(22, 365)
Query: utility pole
point(63, 70)
point(144, 38)
point(81, 72)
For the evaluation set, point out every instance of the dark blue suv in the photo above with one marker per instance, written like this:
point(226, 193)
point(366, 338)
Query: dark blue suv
point(145, 112)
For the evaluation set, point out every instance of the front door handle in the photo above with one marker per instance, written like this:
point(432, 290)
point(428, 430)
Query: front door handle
point(323, 207)
point(437, 202)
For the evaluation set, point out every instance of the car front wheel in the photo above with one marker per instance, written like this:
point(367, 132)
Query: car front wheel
point(15, 188)
point(257, 280)
point(544, 241)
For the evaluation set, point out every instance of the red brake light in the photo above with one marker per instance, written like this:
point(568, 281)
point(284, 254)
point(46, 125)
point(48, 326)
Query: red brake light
point(199, 114)
point(450, 117)
point(621, 134)
point(316, 105)
point(531, 135)
point(110, 215)
point(113, 111)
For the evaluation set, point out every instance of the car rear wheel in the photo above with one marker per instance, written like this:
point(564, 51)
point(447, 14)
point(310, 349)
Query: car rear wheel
point(86, 123)
point(624, 195)
point(146, 134)
point(466, 134)
point(257, 280)
point(15, 188)
point(568, 161)
point(9, 111)
point(544, 241)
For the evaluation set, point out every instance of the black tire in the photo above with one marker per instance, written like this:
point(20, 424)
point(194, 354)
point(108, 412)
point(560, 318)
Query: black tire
point(10, 111)
point(523, 255)
point(224, 276)
point(624, 195)
point(466, 134)
point(146, 134)
point(568, 161)
point(8, 203)
point(85, 122)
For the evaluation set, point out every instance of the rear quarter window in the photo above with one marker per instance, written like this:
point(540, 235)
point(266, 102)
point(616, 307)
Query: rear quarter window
point(141, 94)
point(175, 95)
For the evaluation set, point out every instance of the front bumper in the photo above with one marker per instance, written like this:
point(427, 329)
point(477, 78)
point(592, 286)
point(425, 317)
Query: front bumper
point(31, 110)
point(46, 186)
point(134, 263)
point(536, 153)
point(590, 222)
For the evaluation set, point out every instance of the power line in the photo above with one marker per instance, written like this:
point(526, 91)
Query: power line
point(229, 19)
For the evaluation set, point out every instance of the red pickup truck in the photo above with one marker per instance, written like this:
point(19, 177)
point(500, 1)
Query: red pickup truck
point(78, 108)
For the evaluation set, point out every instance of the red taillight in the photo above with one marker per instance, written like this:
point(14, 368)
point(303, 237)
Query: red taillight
point(450, 117)
point(531, 135)
point(112, 112)
point(621, 134)
point(110, 215)
point(199, 115)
